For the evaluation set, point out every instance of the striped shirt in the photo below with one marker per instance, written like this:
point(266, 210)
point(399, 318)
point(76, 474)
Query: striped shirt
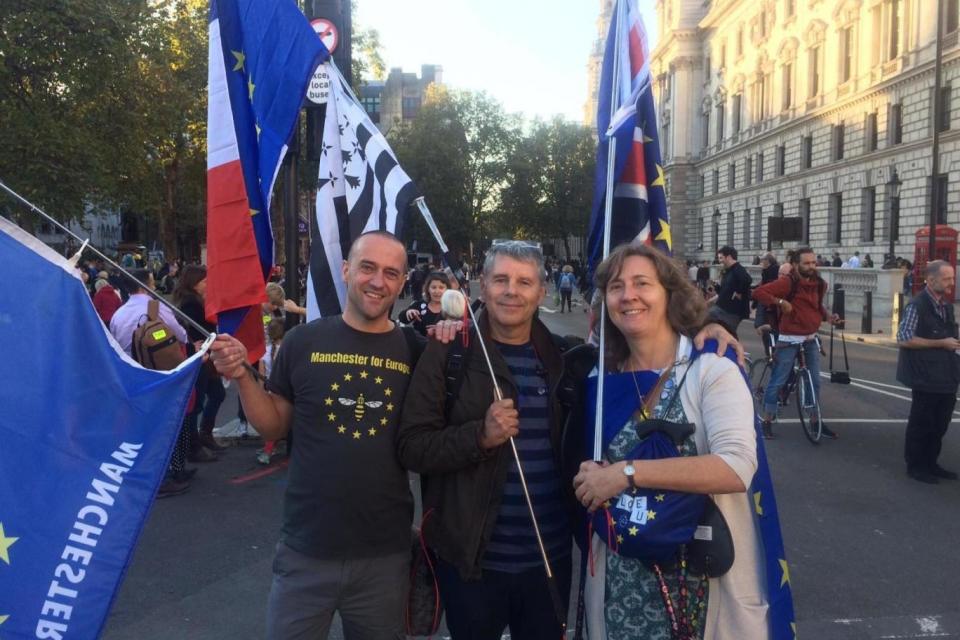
point(513, 546)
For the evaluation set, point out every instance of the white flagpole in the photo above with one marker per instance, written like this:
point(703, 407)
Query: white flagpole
point(616, 23)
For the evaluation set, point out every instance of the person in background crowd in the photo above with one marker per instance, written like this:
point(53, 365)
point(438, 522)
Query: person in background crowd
point(692, 272)
point(566, 284)
point(854, 261)
point(800, 319)
point(733, 298)
point(106, 300)
point(275, 331)
point(837, 261)
point(426, 313)
point(929, 364)
point(703, 275)
point(770, 271)
point(867, 262)
point(189, 297)
point(126, 319)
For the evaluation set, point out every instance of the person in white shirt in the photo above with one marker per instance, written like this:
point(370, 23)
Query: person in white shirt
point(129, 316)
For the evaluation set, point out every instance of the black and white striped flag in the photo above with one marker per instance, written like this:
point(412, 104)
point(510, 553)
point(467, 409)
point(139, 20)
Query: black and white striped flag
point(360, 187)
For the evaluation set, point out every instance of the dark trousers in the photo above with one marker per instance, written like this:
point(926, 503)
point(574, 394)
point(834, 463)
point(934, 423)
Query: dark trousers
point(210, 395)
point(930, 415)
point(482, 609)
point(566, 299)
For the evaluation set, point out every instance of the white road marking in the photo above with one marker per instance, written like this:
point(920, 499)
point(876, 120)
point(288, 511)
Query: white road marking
point(880, 391)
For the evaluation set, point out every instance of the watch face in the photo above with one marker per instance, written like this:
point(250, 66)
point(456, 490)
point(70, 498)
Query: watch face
point(629, 470)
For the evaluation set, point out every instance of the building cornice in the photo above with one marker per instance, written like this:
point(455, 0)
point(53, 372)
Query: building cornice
point(718, 11)
point(824, 112)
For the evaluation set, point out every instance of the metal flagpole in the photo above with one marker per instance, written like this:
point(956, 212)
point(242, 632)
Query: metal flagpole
point(607, 217)
point(498, 393)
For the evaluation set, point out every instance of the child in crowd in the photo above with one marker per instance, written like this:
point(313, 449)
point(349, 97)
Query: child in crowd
point(274, 337)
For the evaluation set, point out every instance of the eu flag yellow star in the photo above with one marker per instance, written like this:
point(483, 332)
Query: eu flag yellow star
point(659, 182)
point(378, 379)
point(356, 435)
point(254, 212)
point(341, 429)
point(387, 392)
point(619, 539)
point(660, 497)
point(372, 431)
point(756, 503)
point(331, 417)
point(633, 530)
point(363, 375)
point(250, 87)
point(334, 387)
point(5, 544)
point(383, 421)
point(3, 619)
point(348, 377)
point(240, 60)
point(651, 515)
point(328, 402)
point(389, 406)
point(785, 578)
point(664, 234)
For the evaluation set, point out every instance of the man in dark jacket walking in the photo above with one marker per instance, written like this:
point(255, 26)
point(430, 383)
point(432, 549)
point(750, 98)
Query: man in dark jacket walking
point(732, 303)
point(929, 364)
point(489, 564)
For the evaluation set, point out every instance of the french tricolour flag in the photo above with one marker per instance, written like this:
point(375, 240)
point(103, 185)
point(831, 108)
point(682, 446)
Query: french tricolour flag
point(261, 58)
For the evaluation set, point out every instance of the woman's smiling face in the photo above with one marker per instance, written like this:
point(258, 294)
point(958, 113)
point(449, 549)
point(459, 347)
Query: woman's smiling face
point(636, 300)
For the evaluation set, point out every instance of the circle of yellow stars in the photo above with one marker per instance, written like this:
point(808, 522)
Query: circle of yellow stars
point(356, 433)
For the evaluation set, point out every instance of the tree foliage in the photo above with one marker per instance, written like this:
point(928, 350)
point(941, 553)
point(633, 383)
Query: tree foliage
point(456, 151)
point(549, 183)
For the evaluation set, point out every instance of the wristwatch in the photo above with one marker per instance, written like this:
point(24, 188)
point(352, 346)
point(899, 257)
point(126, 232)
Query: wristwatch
point(628, 471)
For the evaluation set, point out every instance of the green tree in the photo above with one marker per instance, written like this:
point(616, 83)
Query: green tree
point(456, 151)
point(68, 83)
point(549, 183)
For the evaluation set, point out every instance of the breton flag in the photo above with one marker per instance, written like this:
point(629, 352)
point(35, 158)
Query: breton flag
point(360, 187)
point(639, 197)
point(86, 438)
point(261, 58)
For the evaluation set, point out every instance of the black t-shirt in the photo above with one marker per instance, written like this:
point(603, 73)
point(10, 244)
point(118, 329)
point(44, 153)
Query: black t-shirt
point(347, 496)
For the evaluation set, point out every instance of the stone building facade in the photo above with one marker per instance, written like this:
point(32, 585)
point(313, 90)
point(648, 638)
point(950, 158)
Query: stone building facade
point(398, 98)
point(818, 109)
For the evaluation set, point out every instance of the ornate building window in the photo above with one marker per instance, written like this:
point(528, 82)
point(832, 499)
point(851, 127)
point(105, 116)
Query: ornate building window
point(846, 17)
point(705, 107)
point(814, 39)
point(892, 19)
point(787, 57)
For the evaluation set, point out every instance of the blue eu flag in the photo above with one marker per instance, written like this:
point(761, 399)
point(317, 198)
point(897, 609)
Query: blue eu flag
point(85, 438)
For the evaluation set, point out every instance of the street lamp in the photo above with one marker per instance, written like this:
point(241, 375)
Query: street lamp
point(893, 211)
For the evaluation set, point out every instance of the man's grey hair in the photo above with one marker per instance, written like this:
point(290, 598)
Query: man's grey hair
point(934, 267)
point(518, 250)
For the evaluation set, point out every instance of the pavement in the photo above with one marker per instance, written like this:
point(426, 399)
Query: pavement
point(873, 554)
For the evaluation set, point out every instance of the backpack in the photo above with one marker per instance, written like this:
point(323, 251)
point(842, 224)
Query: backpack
point(154, 345)
point(773, 317)
point(567, 281)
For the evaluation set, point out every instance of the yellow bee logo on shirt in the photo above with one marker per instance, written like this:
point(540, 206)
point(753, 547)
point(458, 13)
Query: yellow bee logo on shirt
point(359, 405)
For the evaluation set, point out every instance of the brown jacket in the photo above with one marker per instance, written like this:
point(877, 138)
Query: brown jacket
point(462, 482)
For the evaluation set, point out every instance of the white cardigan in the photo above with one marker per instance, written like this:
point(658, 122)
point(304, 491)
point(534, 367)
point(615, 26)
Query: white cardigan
point(716, 399)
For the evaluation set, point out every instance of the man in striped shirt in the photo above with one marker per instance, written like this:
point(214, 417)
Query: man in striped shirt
point(490, 567)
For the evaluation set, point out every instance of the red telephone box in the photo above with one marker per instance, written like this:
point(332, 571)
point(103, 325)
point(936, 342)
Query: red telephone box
point(944, 248)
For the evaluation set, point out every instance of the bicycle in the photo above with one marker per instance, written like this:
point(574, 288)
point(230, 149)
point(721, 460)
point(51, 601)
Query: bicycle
point(799, 380)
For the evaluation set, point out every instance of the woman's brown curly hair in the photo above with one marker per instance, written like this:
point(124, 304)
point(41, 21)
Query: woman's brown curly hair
point(686, 309)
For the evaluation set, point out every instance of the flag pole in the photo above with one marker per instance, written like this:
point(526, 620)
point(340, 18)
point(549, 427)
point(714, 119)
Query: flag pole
point(498, 393)
point(607, 218)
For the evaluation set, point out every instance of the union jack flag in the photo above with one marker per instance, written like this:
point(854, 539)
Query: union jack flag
point(625, 111)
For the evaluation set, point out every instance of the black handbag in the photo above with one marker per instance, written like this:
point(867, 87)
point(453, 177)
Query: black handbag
point(839, 377)
point(424, 607)
point(711, 551)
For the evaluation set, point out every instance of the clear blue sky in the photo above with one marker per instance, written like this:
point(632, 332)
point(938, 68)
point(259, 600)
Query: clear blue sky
point(531, 55)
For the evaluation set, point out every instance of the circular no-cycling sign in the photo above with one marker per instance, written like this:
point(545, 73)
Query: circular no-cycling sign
point(327, 32)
